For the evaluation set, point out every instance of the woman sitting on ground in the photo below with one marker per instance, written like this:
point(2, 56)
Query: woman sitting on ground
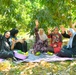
point(41, 43)
point(5, 51)
point(56, 40)
point(70, 49)
point(17, 44)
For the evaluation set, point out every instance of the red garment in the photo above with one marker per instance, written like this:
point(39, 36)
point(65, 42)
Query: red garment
point(56, 40)
point(58, 48)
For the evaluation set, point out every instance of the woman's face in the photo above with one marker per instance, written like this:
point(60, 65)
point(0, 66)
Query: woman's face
point(56, 30)
point(7, 34)
point(41, 32)
point(70, 33)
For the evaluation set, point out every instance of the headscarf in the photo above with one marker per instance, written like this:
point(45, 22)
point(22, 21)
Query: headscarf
point(42, 37)
point(5, 42)
point(4, 38)
point(13, 32)
point(69, 45)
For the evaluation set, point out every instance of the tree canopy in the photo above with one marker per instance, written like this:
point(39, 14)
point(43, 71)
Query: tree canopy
point(22, 14)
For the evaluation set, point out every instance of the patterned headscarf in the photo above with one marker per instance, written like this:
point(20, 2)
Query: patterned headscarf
point(43, 36)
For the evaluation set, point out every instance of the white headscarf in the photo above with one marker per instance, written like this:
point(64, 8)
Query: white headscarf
point(42, 37)
point(71, 38)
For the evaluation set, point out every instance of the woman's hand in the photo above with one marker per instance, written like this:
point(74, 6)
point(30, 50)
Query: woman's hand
point(37, 23)
point(13, 41)
point(49, 31)
point(62, 29)
point(55, 45)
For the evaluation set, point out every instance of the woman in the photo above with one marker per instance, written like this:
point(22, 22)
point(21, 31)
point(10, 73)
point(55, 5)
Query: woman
point(5, 51)
point(56, 40)
point(70, 49)
point(16, 43)
point(42, 43)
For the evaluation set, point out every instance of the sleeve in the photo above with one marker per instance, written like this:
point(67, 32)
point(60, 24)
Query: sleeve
point(36, 34)
point(74, 42)
point(49, 36)
point(60, 37)
point(59, 44)
point(65, 35)
point(36, 31)
point(10, 41)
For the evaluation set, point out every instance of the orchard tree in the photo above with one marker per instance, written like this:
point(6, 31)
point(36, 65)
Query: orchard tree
point(22, 14)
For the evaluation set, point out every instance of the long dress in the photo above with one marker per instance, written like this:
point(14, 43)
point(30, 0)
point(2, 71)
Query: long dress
point(40, 45)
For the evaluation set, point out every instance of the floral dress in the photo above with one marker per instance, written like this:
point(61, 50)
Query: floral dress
point(40, 45)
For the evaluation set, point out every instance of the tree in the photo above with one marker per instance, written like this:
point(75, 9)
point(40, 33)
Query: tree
point(23, 13)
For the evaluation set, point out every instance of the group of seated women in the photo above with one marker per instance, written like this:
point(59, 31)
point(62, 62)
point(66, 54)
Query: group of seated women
point(41, 42)
point(10, 42)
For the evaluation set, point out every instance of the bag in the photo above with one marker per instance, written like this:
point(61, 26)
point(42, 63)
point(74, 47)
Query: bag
point(19, 55)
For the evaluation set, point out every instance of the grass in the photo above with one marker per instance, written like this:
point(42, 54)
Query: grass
point(42, 68)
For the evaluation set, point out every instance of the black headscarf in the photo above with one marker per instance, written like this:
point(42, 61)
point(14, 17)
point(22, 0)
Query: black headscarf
point(4, 38)
point(13, 32)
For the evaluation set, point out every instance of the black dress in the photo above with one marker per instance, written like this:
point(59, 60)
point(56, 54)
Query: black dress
point(68, 52)
point(18, 45)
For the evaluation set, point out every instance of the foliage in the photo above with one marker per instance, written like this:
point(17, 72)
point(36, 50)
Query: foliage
point(42, 68)
point(22, 14)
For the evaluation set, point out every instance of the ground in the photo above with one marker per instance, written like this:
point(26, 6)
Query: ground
point(43, 68)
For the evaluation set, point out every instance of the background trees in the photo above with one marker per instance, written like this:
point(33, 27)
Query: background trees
point(22, 14)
